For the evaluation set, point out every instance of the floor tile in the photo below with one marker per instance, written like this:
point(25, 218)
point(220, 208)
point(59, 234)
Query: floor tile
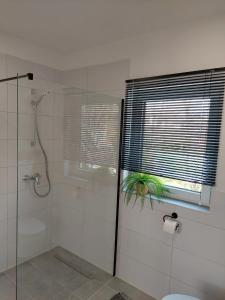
point(67, 277)
point(7, 288)
point(123, 287)
point(88, 289)
point(104, 293)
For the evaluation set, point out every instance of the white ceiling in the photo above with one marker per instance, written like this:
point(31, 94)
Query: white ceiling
point(67, 26)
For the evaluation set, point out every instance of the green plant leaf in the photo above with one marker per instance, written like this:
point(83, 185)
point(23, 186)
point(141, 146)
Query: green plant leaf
point(151, 183)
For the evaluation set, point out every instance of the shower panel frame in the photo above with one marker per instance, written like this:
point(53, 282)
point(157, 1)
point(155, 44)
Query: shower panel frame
point(16, 78)
point(29, 76)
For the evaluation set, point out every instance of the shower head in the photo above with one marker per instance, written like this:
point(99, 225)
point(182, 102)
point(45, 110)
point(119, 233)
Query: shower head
point(37, 101)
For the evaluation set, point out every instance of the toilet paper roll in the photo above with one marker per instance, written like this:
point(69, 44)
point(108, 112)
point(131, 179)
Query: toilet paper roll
point(170, 226)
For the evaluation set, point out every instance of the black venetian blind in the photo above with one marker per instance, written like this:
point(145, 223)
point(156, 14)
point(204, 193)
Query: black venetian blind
point(172, 125)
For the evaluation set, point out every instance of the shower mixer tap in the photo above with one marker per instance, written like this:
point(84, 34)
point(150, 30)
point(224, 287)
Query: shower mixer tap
point(35, 177)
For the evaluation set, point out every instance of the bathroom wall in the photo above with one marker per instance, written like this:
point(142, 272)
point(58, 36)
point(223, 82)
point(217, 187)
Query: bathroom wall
point(34, 213)
point(192, 262)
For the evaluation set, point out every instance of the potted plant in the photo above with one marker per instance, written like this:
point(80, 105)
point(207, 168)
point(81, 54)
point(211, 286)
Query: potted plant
point(142, 186)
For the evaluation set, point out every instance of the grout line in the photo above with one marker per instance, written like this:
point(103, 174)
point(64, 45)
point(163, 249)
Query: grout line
point(105, 284)
point(186, 284)
point(144, 264)
point(200, 257)
point(148, 237)
point(171, 265)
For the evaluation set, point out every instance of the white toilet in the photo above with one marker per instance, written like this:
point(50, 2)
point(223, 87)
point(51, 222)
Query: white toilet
point(179, 297)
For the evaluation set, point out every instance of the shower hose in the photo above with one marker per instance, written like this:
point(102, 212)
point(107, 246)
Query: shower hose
point(45, 159)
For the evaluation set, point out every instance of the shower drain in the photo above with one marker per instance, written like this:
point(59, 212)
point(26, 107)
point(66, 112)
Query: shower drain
point(120, 296)
point(74, 267)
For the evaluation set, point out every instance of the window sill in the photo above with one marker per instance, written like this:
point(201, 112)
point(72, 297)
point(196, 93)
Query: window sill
point(184, 204)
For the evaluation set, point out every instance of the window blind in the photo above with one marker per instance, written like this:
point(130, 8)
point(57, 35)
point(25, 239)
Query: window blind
point(172, 125)
point(91, 130)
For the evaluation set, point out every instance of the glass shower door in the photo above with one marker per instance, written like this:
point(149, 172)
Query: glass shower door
point(34, 197)
point(67, 186)
point(92, 126)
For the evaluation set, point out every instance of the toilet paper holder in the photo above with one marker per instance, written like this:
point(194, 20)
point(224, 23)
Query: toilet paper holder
point(173, 216)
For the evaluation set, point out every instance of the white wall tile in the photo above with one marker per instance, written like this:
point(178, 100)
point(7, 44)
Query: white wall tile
point(12, 205)
point(12, 98)
point(45, 124)
point(3, 97)
point(100, 198)
point(12, 179)
point(97, 237)
point(58, 150)
point(58, 127)
point(202, 240)
point(69, 196)
point(3, 206)
point(3, 125)
point(151, 252)
point(181, 288)
point(26, 126)
point(11, 254)
point(24, 99)
point(32, 154)
point(3, 65)
point(70, 230)
point(147, 222)
point(57, 171)
point(58, 105)
point(11, 230)
point(197, 272)
point(12, 152)
point(3, 243)
point(143, 277)
point(3, 153)
point(28, 202)
point(12, 126)
point(3, 180)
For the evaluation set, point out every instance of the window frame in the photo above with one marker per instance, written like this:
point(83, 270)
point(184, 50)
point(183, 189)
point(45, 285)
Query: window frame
point(199, 198)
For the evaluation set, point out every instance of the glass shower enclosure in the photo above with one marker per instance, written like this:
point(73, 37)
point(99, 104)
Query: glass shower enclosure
point(67, 167)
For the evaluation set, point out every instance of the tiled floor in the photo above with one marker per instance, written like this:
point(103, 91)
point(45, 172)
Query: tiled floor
point(60, 275)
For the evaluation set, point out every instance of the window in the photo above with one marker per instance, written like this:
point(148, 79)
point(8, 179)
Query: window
point(99, 135)
point(91, 135)
point(172, 128)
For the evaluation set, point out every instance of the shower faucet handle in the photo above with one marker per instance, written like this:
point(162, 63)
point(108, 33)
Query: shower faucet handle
point(35, 177)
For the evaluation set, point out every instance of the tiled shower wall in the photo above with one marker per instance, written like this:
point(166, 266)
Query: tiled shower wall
point(30, 208)
point(192, 262)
